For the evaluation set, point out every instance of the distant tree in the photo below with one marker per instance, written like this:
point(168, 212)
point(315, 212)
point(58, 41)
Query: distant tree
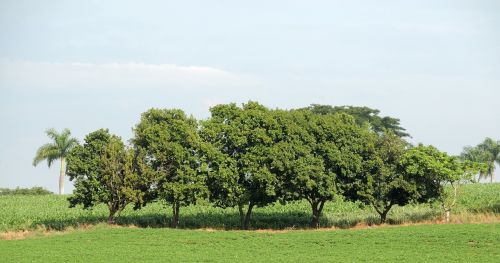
point(174, 152)
point(243, 136)
point(318, 157)
point(106, 172)
point(385, 184)
point(363, 116)
point(58, 149)
point(36, 190)
point(487, 152)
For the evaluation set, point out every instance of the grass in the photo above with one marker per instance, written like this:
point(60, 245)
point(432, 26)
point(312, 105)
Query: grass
point(423, 243)
point(87, 239)
point(52, 212)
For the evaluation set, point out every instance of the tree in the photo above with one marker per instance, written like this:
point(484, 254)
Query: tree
point(105, 171)
point(438, 176)
point(487, 152)
point(58, 149)
point(385, 184)
point(243, 136)
point(364, 115)
point(460, 172)
point(318, 157)
point(427, 166)
point(174, 151)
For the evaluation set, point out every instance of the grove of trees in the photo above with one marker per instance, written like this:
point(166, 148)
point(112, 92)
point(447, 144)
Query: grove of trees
point(251, 156)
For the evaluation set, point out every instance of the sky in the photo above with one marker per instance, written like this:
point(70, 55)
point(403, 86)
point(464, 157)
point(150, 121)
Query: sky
point(86, 65)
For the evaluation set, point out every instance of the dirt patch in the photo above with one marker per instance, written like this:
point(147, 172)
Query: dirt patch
point(14, 235)
point(17, 235)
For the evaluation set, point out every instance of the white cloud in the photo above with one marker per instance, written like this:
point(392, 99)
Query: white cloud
point(64, 76)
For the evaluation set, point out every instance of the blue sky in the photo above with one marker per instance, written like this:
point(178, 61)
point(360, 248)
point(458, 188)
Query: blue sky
point(91, 64)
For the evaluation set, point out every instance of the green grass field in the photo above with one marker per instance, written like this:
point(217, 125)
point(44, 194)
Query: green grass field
point(52, 212)
point(152, 241)
point(424, 243)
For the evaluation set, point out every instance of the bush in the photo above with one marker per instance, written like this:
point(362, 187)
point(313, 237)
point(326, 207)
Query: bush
point(37, 190)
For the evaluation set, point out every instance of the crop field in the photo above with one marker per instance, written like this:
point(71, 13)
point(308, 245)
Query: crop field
point(52, 212)
point(423, 243)
point(142, 235)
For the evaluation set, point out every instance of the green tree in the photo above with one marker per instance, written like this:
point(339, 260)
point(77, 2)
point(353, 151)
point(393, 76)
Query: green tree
point(243, 137)
point(364, 115)
point(487, 152)
point(318, 157)
point(385, 184)
point(460, 172)
point(438, 176)
point(174, 151)
point(427, 166)
point(58, 149)
point(105, 171)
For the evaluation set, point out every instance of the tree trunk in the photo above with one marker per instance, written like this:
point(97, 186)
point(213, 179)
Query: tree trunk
point(245, 217)
point(383, 216)
point(317, 208)
point(447, 208)
point(111, 217)
point(242, 216)
point(383, 213)
point(114, 211)
point(175, 217)
point(61, 178)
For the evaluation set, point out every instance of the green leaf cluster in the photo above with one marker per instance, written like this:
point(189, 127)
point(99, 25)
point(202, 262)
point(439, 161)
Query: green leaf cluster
point(174, 150)
point(105, 171)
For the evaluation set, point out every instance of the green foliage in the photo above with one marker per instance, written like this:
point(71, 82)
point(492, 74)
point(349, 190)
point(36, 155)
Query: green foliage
point(37, 190)
point(174, 151)
point(428, 167)
point(434, 170)
point(385, 183)
point(105, 172)
point(363, 116)
point(243, 137)
point(487, 152)
point(317, 155)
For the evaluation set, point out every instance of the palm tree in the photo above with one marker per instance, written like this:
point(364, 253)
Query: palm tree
point(58, 149)
point(493, 148)
point(487, 152)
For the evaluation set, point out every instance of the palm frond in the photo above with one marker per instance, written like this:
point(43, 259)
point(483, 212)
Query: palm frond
point(69, 144)
point(46, 151)
point(60, 147)
point(52, 133)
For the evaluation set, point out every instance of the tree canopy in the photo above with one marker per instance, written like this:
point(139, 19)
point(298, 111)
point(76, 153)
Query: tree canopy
point(105, 171)
point(244, 136)
point(174, 151)
point(364, 116)
point(318, 157)
point(384, 183)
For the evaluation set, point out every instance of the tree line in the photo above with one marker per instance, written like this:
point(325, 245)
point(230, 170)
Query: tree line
point(250, 156)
